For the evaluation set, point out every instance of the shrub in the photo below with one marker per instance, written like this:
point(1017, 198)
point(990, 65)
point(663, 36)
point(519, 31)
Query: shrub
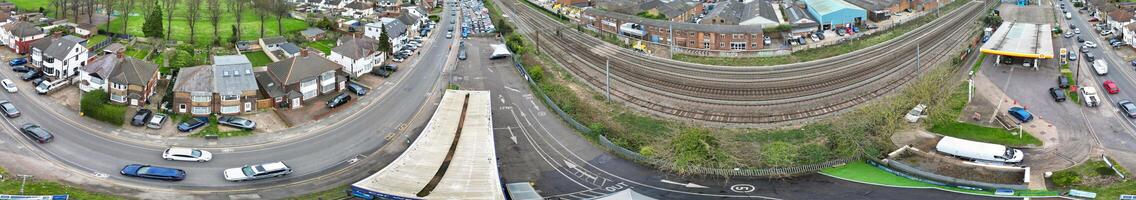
point(95, 105)
point(535, 72)
point(778, 154)
point(696, 147)
point(1065, 179)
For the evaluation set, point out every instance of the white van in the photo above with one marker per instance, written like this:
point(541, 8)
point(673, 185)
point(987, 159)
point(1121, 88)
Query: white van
point(1068, 16)
point(1100, 67)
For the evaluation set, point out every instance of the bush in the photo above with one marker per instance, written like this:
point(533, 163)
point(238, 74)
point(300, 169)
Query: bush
point(651, 15)
point(696, 147)
point(1065, 179)
point(96, 105)
point(535, 72)
point(778, 154)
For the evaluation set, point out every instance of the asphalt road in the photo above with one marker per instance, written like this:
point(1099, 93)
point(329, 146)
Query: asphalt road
point(78, 146)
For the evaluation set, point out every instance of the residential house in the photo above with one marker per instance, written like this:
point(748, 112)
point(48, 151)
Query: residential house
point(294, 81)
point(577, 3)
point(358, 9)
point(132, 81)
point(94, 76)
point(330, 4)
point(114, 48)
point(7, 6)
point(358, 55)
point(85, 29)
point(674, 10)
point(289, 50)
point(388, 5)
point(687, 35)
point(879, 10)
point(5, 18)
point(1119, 18)
point(373, 29)
point(411, 23)
point(227, 87)
point(396, 33)
point(752, 12)
point(272, 43)
point(1129, 34)
point(313, 34)
point(19, 36)
point(59, 57)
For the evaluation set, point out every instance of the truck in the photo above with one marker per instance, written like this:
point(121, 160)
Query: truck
point(979, 151)
point(1100, 67)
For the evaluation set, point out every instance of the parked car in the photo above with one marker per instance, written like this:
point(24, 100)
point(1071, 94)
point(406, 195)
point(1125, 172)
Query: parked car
point(247, 173)
point(1089, 94)
point(153, 172)
point(1062, 81)
point(380, 72)
point(1089, 57)
point(356, 88)
point(872, 26)
point(1080, 40)
point(18, 61)
point(186, 154)
point(140, 117)
point(237, 122)
point(449, 35)
point(9, 109)
point(1133, 63)
point(31, 74)
point(1021, 114)
point(20, 69)
point(9, 86)
point(338, 100)
point(36, 133)
point(1090, 44)
point(1084, 49)
point(1057, 94)
point(461, 54)
point(390, 67)
point(1110, 87)
point(1073, 56)
point(192, 123)
point(156, 121)
point(1128, 107)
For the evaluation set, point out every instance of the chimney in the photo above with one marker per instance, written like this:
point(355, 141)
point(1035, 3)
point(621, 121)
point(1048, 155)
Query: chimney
point(304, 53)
point(119, 54)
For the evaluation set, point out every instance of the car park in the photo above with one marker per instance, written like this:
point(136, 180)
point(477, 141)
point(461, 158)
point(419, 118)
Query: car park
point(1057, 94)
point(1021, 114)
point(1110, 87)
point(1062, 81)
point(338, 100)
point(247, 173)
point(9, 86)
point(356, 88)
point(1089, 95)
point(37, 133)
point(192, 123)
point(153, 172)
point(9, 109)
point(186, 154)
point(1128, 107)
point(156, 121)
point(237, 122)
point(140, 117)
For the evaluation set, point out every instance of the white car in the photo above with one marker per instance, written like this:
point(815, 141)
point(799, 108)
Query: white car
point(254, 172)
point(187, 154)
point(1090, 44)
point(9, 86)
point(1076, 31)
point(1090, 96)
point(1109, 32)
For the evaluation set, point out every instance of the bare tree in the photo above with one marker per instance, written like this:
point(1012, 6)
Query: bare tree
point(262, 6)
point(127, 7)
point(214, 18)
point(170, 4)
point(280, 8)
point(191, 17)
point(109, 5)
point(91, 4)
point(239, 7)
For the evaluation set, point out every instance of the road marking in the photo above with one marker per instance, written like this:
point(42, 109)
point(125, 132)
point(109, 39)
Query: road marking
point(515, 90)
point(540, 152)
point(743, 188)
point(512, 136)
point(101, 175)
point(688, 185)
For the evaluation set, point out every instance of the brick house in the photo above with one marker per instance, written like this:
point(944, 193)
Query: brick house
point(293, 81)
point(132, 81)
point(689, 35)
point(227, 87)
point(19, 36)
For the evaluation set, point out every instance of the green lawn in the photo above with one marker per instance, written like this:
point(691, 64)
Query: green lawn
point(214, 129)
point(864, 172)
point(139, 54)
point(945, 121)
point(11, 185)
point(258, 58)
point(1098, 169)
point(95, 40)
point(32, 5)
point(323, 45)
point(333, 193)
point(250, 24)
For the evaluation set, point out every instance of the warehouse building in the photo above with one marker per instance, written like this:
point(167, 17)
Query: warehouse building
point(835, 12)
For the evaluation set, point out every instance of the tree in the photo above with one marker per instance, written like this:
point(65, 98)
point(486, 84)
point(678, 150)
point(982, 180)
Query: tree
point(384, 42)
point(191, 17)
point(236, 35)
point(325, 24)
point(261, 8)
point(170, 4)
point(696, 147)
point(238, 6)
point(109, 4)
point(126, 9)
point(215, 18)
point(280, 8)
point(152, 27)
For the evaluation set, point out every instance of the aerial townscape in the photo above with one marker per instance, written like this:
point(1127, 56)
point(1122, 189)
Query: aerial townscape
point(567, 99)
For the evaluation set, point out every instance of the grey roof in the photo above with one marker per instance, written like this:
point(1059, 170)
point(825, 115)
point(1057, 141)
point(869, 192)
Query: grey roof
point(407, 19)
point(733, 13)
point(194, 79)
point(670, 8)
point(74, 39)
point(873, 4)
point(55, 47)
point(23, 29)
point(358, 5)
point(677, 26)
point(798, 16)
point(102, 66)
point(114, 47)
point(386, 1)
point(331, 2)
point(265, 81)
point(394, 28)
point(232, 74)
point(312, 32)
point(290, 48)
point(132, 71)
point(315, 1)
point(355, 47)
point(295, 69)
point(274, 40)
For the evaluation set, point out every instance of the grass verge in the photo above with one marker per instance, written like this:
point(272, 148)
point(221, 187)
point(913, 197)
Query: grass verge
point(866, 173)
point(330, 194)
point(821, 52)
point(10, 184)
point(1095, 176)
point(213, 128)
point(944, 120)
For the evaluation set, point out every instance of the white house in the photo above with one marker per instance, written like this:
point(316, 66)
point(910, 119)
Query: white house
point(330, 4)
point(358, 9)
point(19, 36)
point(94, 75)
point(357, 55)
point(272, 43)
point(410, 21)
point(1130, 34)
point(373, 29)
point(59, 57)
point(395, 29)
point(1119, 18)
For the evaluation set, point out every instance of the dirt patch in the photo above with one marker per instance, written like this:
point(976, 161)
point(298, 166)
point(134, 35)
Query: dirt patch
point(918, 138)
point(68, 96)
point(951, 167)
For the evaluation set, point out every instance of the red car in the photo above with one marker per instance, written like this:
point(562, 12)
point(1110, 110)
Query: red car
point(1111, 87)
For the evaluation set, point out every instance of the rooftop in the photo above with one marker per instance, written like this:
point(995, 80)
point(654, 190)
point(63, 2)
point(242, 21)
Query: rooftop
point(824, 7)
point(678, 26)
point(194, 79)
point(232, 74)
point(1021, 40)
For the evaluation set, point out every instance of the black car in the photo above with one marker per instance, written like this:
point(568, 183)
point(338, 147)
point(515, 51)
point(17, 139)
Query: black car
point(237, 122)
point(192, 123)
point(31, 74)
point(1128, 107)
point(140, 117)
point(390, 67)
point(356, 88)
point(9, 109)
point(1089, 57)
point(338, 100)
point(380, 72)
point(153, 172)
point(1080, 40)
point(1062, 82)
point(36, 133)
point(1058, 94)
point(20, 68)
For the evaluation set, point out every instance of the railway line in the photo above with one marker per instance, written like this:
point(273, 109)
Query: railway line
point(748, 95)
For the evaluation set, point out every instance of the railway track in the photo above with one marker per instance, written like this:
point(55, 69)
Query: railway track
point(747, 95)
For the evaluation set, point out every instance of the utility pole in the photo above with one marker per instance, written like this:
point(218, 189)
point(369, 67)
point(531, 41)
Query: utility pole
point(670, 32)
point(607, 83)
point(23, 181)
point(917, 56)
point(538, 41)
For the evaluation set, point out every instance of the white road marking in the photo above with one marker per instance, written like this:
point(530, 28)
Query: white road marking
point(514, 90)
point(688, 185)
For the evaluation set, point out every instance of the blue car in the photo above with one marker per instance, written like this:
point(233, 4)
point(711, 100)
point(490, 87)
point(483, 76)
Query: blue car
point(1021, 114)
point(189, 125)
point(153, 172)
point(18, 61)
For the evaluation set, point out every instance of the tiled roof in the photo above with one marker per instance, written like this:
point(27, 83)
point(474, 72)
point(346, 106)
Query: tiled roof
point(290, 48)
point(274, 40)
point(232, 74)
point(394, 28)
point(102, 66)
point(133, 71)
point(194, 79)
point(265, 81)
point(1120, 15)
point(677, 26)
point(873, 4)
point(356, 47)
point(293, 70)
point(23, 29)
point(55, 47)
point(312, 32)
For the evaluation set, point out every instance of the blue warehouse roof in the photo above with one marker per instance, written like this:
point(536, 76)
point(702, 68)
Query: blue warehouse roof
point(835, 11)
